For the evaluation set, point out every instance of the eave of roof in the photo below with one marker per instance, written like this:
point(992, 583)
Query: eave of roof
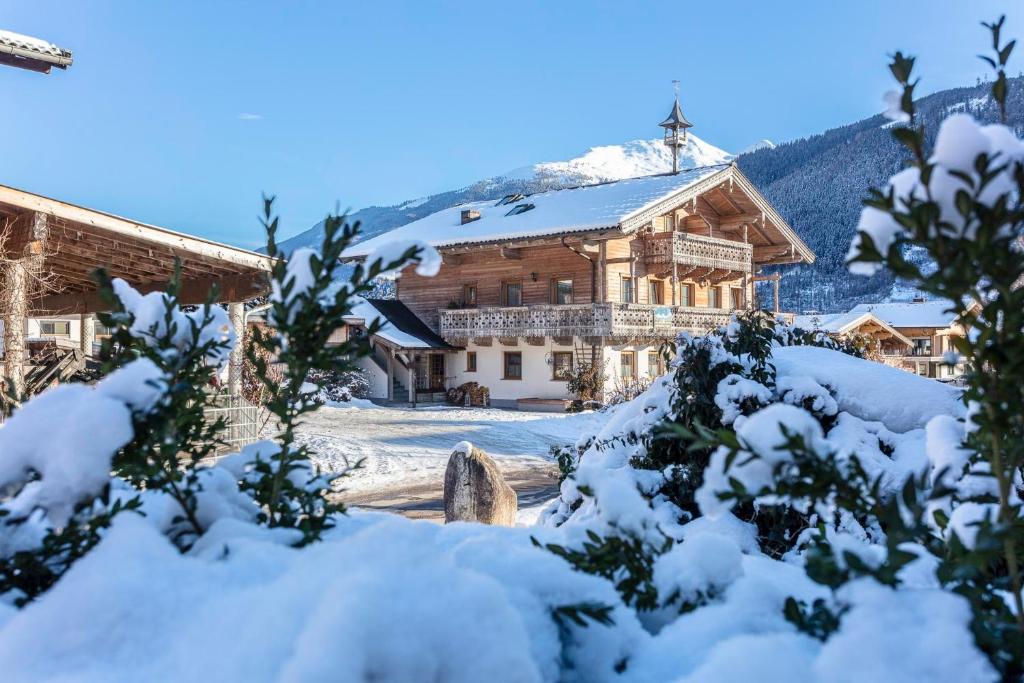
point(34, 48)
point(29, 201)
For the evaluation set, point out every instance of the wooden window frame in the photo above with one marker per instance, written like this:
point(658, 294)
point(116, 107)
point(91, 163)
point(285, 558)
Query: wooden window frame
point(736, 298)
point(554, 365)
point(471, 361)
point(656, 285)
point(504, 293)
point(622, 289)
point(632, 354)
point(466, 286)
point(504, 365)
point(715, 301)
point(658, 365)
point(553, 290)
point(691, 294)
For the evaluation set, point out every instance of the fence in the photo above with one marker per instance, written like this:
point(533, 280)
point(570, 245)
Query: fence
point(241, 417)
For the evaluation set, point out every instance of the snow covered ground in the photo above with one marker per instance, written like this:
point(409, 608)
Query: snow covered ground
point(406, 450)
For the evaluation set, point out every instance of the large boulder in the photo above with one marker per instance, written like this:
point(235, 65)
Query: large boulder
point(475, 491)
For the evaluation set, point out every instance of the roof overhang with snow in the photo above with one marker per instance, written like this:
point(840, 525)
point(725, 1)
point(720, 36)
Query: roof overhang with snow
point(26, 52)
point(846, 323)
point(74, 242)
point(721, 195)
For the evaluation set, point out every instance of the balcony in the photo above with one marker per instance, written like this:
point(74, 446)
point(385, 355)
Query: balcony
point(609, 320)
point(698, 251)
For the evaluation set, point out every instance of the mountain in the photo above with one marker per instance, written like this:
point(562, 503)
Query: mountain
point(596, 165)
point(817, 183)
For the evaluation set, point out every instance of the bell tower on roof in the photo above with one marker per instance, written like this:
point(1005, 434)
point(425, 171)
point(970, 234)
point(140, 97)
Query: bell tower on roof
point(675, 130)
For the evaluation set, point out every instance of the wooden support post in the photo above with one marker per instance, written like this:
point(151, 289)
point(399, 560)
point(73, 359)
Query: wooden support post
point(236, 315)
point(412, 382)
point(391, 375)
point(88, 334)
point(775, 284)
point(15, 305)
point(602, 268)
point(19, 280)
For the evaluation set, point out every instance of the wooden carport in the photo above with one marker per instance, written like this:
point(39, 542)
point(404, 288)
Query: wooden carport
point(51, 249)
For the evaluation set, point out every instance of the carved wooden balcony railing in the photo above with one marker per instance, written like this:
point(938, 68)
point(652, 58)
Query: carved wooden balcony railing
point(697, 250)
point(610, 320)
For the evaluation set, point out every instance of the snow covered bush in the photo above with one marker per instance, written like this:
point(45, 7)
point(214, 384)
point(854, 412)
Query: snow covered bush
point(865, 502)
point(75, 457)
point(340, 386)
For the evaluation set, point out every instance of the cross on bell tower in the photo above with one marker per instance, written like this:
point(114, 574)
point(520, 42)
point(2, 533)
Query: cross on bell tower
point(675, 123)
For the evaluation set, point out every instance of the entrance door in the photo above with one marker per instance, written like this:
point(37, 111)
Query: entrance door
point(437, 371)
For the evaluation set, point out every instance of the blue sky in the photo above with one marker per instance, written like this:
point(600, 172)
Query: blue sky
point(181, 113)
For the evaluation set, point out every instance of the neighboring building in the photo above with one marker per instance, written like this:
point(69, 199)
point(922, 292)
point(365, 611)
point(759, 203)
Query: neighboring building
point(891, 344)
point(33, 54)
point(532, 285)
point(52, 249)
point(930, 326)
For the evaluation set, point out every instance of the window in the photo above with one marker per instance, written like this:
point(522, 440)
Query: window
point(714, 297)
point(737, 297)
point(518, 209)
point(670, 222)
point(657, 292)
point(561, 365)
point(470, 361)
point(55, 328)
point(101, 330)
point(512, 293)
point(627, 365)
point(561, 291)
point(469, 295)
point(513, 365)
point(923, 347)
point(686, 295)
point(628, 290)
point(655, 364)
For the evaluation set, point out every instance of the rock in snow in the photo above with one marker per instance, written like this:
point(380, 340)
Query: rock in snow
point(475, 491)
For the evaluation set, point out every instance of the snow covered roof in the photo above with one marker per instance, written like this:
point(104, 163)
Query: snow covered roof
point(912, 314)
point(841, 323)
point(624, 205)
point(27, 47)
point(399, 325)
point(590, 207)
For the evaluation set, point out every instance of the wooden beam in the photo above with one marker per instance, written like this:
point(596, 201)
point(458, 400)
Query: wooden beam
point(234, 288)
point(130, 229)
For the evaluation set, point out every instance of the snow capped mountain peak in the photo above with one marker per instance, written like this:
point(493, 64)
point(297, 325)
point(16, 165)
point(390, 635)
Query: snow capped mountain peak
point(628, 160)
point(760, 144)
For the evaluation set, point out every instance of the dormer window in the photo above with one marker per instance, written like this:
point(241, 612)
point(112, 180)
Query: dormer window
point(510, 199)
point(519, 208)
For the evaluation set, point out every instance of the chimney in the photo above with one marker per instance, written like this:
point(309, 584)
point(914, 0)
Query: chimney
point(470, 215)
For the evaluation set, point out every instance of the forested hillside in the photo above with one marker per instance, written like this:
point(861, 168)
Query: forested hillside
point(817, 184)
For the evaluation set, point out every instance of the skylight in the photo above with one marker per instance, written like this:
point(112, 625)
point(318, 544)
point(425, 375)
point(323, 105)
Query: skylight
point(519, 208)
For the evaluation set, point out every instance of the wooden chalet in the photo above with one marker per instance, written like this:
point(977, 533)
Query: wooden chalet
point(892, 344)
point(930, 327)
point(603, 273)
point(51, 249)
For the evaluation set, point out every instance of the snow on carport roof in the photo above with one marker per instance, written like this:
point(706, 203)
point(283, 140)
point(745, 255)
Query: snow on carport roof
point(590, 207)
point(399, 325)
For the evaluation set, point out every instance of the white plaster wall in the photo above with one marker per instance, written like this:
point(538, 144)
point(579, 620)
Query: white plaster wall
point(32, 327)
point(378, 378)
point(537, 379)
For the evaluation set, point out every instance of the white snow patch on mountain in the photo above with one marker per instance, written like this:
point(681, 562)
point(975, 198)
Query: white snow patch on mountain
point(628, 160)
point(760, 144)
